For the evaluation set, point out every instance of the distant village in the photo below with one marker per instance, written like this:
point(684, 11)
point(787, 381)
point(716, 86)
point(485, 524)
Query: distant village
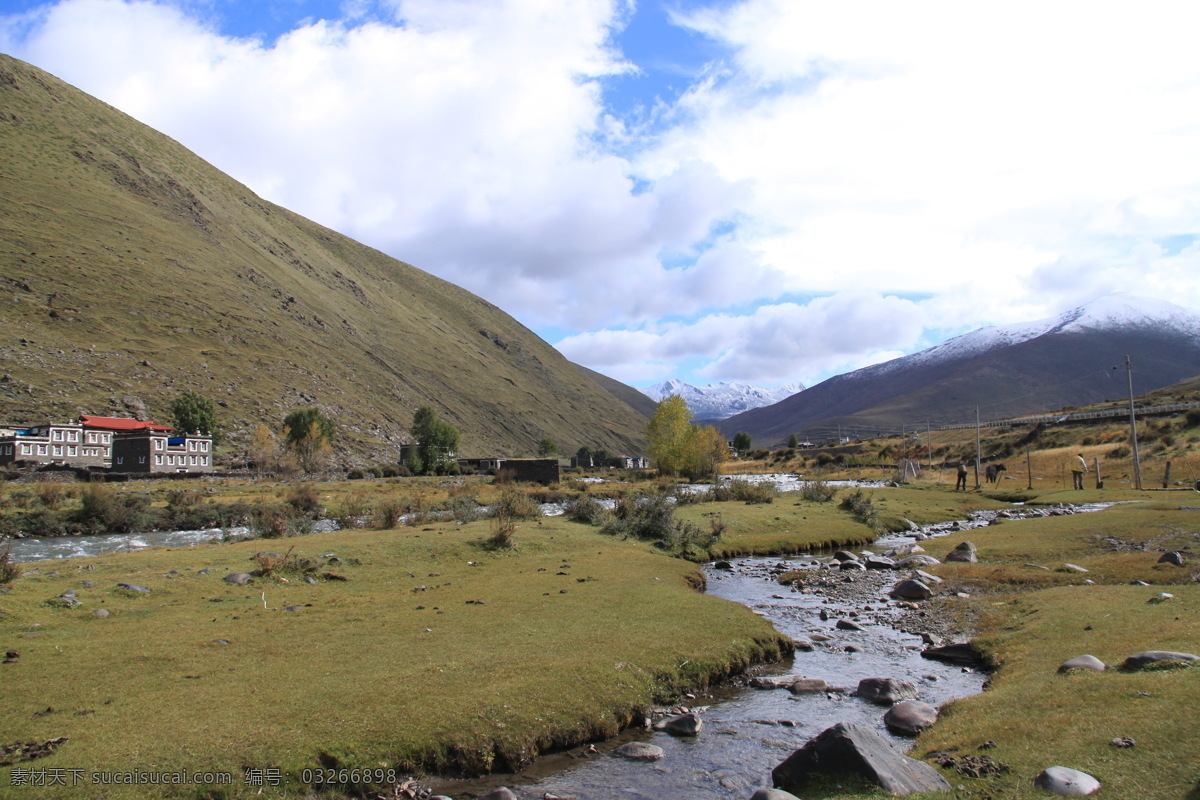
point(131, 446)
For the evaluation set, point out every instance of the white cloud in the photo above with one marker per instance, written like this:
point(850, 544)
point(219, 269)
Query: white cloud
point(1002, 163)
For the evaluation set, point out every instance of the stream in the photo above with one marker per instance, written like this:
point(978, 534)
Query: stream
point(747, 731)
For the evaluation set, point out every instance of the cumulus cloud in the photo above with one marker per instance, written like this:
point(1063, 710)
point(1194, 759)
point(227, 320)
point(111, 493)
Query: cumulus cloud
point(920, 168)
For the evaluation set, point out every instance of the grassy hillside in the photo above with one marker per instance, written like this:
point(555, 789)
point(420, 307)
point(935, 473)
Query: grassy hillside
point(131, 271)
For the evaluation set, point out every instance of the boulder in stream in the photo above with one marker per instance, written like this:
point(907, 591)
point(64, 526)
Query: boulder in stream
point(886, 691)
point(909, 717)
point(849, 748)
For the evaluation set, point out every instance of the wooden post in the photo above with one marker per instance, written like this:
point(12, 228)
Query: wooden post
point(1099, 480)
point(1167, 475)
point(1029, 470)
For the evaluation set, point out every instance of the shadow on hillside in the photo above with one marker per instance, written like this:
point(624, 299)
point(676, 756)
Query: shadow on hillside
point(1194, 794)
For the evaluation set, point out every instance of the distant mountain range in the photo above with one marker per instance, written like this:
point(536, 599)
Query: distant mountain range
point(717, 401)
point(1072, 359)
point(132, 271)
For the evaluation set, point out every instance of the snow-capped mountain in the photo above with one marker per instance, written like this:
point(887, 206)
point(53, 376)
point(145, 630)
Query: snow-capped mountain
point(1071, 359)
point(720, 400)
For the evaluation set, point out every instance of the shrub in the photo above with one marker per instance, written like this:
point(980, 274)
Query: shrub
point(503, 529)
point(9, 571)
point(105, 511)
point(388, 513)
point(585, 509)
point(504, 476)
point(1120, 452)
point(1192, 418)
point(42, 522)
point(652, 519)
point(516, 504)
point(753, 492)
point(355, 475)
point(464, 509)
point(817, 492)
point(354, 508)
point(51, 494)
point(271, 521)
point(305, 500)
point(824, 459)
point(858, 504)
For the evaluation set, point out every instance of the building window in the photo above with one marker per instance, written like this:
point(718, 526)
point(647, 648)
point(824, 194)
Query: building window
point(26, 449)
point(141, 459)
point(72, 451)
point(120, 459)
point(158, 444)
point(158, 460)
point(91, 438)
point(41, 449)
point(58, 449)
point(58, 436)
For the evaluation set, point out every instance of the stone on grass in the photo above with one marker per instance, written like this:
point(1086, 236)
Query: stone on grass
point(639, 751)
point(1172, 557)
point(238, 578)
point(1161, 597)
point(886, 691)
point(1066, 781)
point(100, 612)
point(688, 724)
point(849, 748)
point(962, 556)
point(927, 578)
point(910, 589)
point(1071, 568)
point(133, 587)
point(1083, 662)
point(909, 717)
point(1148, 657)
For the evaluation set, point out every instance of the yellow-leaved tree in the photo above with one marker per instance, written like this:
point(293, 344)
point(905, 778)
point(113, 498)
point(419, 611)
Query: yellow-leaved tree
point(677, 447)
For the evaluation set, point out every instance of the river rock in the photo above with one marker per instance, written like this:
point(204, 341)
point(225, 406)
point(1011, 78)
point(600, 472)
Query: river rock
point(1172, 557)
point(639, 751)
point(880, 562)
point(909, 717)
point(238, 578)
point(803, 644)
point(963, 654)
point(1066, 781)
point(853, 565)
point(927, 578)
point(771, 681)
point(910, 589)
point(773, 794)
point(1083, 662)
point(809, 686)
point(845, 555)
point(917, 561)
point(886, 691)
point(724, 566)
point(1147, 657)
point(854, 749)
point(501, 793)
point(688, 724)
point(848, 625)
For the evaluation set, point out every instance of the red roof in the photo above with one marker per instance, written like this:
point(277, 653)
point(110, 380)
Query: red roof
point(121, 424)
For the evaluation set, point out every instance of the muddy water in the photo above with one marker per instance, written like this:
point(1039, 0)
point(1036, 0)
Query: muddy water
point(747, 732)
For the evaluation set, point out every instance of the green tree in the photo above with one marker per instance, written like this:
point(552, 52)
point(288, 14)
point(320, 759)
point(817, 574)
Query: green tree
point(706, 451)
point(547, 448)
point(793, 442)
point(437, 442)
point(669, 434)
point(308, 434)
point(742, 442)
point(193, 412)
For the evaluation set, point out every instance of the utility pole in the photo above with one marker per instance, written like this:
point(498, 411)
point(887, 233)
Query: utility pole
point(978, 448)
point(1137, 463)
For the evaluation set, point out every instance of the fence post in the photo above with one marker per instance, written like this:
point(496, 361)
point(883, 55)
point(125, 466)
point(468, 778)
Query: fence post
point(1167, 475)
point(1099, 480)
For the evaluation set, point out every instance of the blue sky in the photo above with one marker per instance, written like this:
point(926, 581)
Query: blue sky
point(762, 191)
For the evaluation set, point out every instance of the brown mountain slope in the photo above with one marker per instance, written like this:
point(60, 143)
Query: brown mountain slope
point(131, 271)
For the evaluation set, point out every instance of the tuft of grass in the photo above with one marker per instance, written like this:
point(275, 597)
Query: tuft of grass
point(9, 571)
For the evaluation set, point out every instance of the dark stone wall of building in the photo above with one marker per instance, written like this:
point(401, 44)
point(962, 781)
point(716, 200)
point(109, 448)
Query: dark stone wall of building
point(534, 470)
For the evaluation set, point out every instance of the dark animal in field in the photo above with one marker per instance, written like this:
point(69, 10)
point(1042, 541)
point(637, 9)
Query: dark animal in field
point(992, 473)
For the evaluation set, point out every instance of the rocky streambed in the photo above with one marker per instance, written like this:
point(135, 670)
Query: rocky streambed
point(849, 629)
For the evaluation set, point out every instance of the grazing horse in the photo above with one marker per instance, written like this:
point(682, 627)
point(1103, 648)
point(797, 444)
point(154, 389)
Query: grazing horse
point(992, 473)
